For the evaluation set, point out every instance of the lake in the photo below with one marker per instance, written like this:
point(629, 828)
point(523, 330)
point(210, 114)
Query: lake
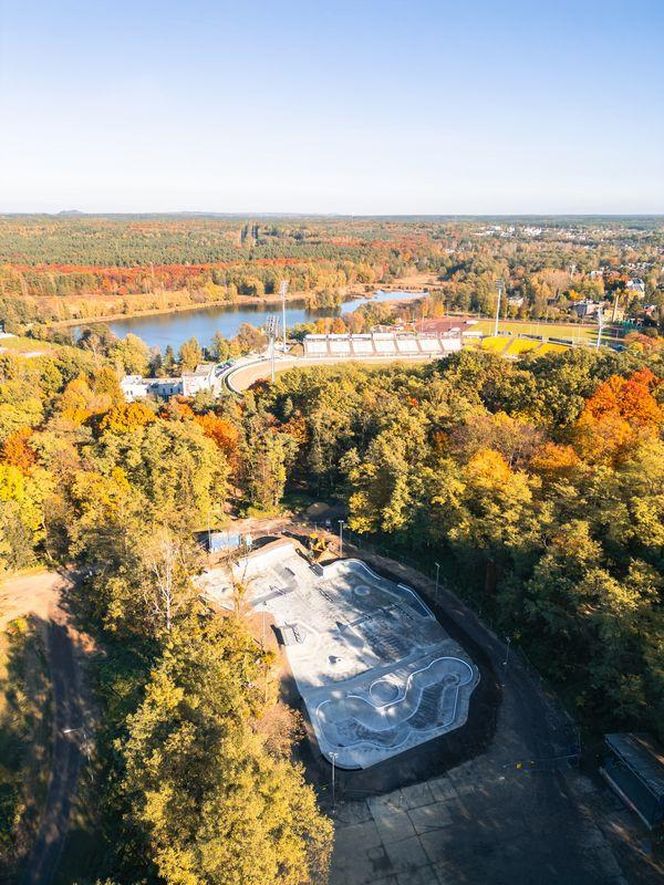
point(162, 329)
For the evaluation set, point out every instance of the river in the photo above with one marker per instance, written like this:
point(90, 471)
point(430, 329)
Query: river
point(159, 330)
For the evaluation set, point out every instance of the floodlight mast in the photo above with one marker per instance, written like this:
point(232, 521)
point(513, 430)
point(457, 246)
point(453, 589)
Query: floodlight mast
point(500, 288)
point(283, 289)
point(600, 323)
point(271, 329)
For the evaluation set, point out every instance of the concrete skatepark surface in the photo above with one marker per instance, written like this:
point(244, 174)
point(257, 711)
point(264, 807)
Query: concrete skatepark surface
point(377, 672)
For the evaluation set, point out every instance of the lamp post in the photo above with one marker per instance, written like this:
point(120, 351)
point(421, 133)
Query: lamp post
point(283, 288)
point(341, 537)
point(437, 564)
point(500, 287)
point(271, 330)
point(333, 757)
point(600, 323)
point(507, 655)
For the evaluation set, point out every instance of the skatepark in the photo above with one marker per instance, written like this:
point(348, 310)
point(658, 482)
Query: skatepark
point(377, 673)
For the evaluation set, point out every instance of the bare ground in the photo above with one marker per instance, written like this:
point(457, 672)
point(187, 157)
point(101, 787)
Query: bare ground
point(38, 595)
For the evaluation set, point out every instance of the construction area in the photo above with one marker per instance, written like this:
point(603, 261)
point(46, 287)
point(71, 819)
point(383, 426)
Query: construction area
point(376, 671)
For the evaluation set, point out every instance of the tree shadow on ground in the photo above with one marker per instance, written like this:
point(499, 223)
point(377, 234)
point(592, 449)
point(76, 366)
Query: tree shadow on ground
point(26, 722)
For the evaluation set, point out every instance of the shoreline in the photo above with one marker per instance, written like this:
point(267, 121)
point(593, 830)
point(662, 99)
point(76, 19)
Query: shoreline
point(297, 299)
point(247, 301)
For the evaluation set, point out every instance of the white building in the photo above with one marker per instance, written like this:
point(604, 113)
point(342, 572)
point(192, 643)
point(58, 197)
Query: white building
point(636, 285)
point(202, 378)
point(586, 308)
point(136, 387)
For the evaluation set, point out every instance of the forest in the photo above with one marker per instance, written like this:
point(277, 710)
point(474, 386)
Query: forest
point(539, 484)
point(77, 267)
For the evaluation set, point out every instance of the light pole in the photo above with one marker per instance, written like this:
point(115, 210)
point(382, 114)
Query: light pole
point(437, 564)
point(333, 757)
point(507, 655)
point(283, 289)
point(271, 329)
point(500, 288)
point(341, 537)
point(265, 662)
point(600, 322)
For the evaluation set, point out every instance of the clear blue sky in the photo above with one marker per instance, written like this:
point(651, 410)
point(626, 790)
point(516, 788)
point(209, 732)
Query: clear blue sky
point(352, 106)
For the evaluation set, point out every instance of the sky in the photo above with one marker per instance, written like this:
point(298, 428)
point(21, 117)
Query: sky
point(332, 106)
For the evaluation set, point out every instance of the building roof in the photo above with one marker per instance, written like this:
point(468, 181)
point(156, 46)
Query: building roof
point(202, 370)
point(643, 756)
point(441, 325)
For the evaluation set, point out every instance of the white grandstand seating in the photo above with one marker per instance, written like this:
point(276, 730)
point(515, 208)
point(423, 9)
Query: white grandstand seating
point(379, 344)
point(385, 343)
point(451, 345)
point(316, 345)
point(362, 344)
point(430, 345)
point(340, 345)
point(407, 345)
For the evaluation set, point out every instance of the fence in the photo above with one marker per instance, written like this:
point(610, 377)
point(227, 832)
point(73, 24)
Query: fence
point(564, 734)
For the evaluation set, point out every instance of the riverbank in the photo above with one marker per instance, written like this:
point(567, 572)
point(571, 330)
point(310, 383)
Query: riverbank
point(297, 298)
point(411, 283)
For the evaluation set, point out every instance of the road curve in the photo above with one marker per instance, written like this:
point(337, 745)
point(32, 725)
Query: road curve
point(240, 377)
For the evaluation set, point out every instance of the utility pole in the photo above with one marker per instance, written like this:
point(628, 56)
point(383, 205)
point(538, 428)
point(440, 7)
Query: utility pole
point(266, 667)
point(616, 300)
point(333, 757)
point(500, 288)
point(341, 537)
point(283, 289)
point(600, 324)
point(507, 655)
point(271, 329)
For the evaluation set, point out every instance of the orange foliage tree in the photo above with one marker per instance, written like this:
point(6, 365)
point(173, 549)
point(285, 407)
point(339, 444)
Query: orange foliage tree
point(223, 433)
point(621, 411)
point(127, 417)
point(17, 452)
point(553, 461)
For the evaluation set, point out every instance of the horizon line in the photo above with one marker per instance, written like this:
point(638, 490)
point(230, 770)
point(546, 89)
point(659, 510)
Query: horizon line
point(73, 213)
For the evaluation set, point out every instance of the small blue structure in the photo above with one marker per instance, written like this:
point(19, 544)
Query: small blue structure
point(225, 542)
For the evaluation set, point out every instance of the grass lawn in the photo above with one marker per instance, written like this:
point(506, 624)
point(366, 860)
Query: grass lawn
point(505, 346)
point(547, 347)
point(518, 346)
point(30, 346)
point(575, 331)
point(496, 343)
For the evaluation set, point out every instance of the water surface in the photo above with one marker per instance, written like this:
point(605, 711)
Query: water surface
point(162, 329)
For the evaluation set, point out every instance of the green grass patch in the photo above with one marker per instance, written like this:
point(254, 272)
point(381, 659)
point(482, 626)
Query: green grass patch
point(576, 332)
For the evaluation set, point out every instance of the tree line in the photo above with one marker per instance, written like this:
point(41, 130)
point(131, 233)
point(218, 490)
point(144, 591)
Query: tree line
point(538, 485)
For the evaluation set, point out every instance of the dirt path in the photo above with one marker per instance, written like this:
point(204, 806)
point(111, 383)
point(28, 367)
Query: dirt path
point(39, 594)
point(66, 757)
point(32, 594)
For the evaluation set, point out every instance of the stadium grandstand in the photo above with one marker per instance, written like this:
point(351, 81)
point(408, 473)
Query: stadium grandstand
point(381, 345)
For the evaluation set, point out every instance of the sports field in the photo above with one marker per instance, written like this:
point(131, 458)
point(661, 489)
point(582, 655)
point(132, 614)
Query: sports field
point(576, 332)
